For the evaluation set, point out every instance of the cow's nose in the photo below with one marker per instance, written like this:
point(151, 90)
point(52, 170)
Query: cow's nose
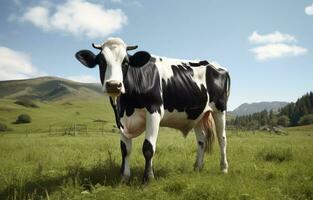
point(113, 86)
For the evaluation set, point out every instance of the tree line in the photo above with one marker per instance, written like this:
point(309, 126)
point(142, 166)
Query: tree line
point(293, 114)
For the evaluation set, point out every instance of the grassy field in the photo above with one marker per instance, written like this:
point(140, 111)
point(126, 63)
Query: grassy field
point(39, 166)
point(56, 114)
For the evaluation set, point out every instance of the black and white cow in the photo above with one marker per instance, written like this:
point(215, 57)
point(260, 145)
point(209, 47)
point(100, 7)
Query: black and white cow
point(147, 92)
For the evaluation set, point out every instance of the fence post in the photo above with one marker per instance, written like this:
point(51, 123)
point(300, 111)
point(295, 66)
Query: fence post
point(102, 128)
point(74, 129)
point(50, 130)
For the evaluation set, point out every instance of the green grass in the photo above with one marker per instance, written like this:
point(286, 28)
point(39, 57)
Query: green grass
point(62, 167)
point(39, 166)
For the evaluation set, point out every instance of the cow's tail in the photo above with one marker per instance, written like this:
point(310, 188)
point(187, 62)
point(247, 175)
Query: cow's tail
point(208, 127)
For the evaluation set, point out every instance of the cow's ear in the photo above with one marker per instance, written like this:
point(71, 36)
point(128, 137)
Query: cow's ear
point(87, 58)
point(139, 59)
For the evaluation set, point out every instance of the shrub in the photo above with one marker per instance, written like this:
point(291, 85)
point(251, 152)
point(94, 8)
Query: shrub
point(27, 103)
point(23, 118)
point(3, 127)
point(283, 121)
point(275, 154)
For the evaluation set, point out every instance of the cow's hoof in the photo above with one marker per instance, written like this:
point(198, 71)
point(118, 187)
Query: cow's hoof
point(224, 171)
point(197, 168)
point(224, 167)
point(147, 178)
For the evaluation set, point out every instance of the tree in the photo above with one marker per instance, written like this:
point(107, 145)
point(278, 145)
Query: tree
point(253, 124)
point(264, 117)
point(283, 121)
point(272, 119)
point(306, 119)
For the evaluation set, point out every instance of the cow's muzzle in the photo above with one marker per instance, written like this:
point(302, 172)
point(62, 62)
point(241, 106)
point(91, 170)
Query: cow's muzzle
point(113, 88)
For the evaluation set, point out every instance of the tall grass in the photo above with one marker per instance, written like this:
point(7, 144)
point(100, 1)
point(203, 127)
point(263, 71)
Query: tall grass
point(275, 154)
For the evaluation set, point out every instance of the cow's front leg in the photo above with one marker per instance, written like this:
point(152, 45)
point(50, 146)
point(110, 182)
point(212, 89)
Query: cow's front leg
point(126, 147)
point(149, 145)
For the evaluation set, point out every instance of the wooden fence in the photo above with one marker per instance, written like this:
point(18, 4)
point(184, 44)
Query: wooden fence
point(71, 129)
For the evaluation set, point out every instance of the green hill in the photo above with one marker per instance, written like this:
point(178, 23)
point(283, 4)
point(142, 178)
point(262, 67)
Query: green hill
point(48, 89)
point(61, 103)
point(251, 108)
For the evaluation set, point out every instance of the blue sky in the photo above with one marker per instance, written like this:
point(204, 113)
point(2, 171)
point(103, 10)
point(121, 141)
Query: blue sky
point(266, 45)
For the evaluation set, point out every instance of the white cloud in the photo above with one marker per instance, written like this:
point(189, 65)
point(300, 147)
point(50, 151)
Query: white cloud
point(39, 16)
point(77, 17)
point(83, 79)
point(277, 50)
point(275, 37)
point(309, 10)
point(16, 65)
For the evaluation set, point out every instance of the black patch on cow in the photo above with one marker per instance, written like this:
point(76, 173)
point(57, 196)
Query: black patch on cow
point(100, 60)
point(161, 59)
point(142, 85)
point(180, 92)
point(117, 117)
point(218, 83)
point(124, 154)
point(198, 64)
point(125, 65)
point(147, 151)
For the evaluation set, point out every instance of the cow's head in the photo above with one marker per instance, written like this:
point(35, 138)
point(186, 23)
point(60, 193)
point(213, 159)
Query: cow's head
point(111, 59)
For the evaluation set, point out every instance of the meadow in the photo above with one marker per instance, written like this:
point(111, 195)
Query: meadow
point(39, 165)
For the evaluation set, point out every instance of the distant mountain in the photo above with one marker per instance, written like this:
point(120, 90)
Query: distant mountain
point(49, 89)
point(250, 108)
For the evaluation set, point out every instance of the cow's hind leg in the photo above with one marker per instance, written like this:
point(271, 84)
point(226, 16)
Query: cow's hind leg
point(201, 143)
point(220, 122)
point(126, 147)
point(149, 145)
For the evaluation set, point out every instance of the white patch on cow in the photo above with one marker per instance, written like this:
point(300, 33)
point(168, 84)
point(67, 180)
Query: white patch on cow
point(135, 124)
point(200, 76)
point(178, 120)
point(152, 128)
point(114, 51)
point(217, 65)
point(164, 67)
